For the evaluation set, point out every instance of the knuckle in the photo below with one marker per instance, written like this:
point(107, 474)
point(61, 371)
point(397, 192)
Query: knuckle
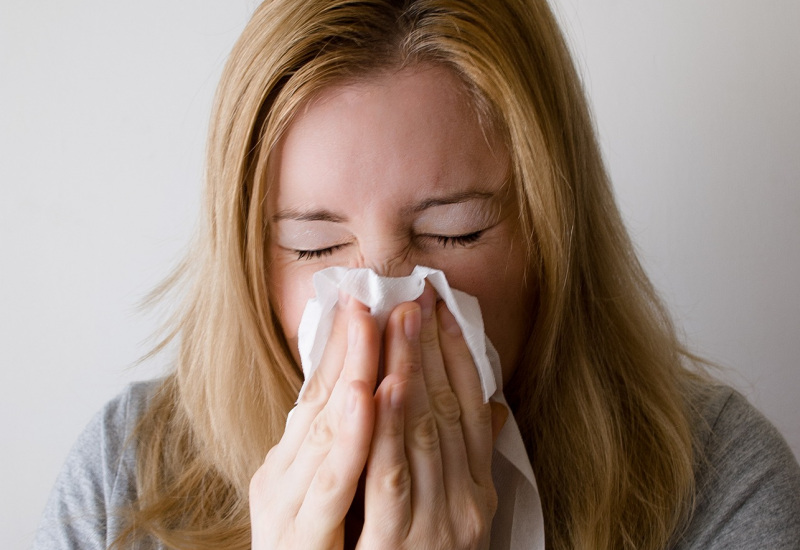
point(259, 483)
point(425, 433)
point(325, 481)
point(445, 405)
point(316, 393)
point(473, 524)
point(429, 338)
point(397, 481)
point(320, 433)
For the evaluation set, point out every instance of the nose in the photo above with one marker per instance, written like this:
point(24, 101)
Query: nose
point(388, 257)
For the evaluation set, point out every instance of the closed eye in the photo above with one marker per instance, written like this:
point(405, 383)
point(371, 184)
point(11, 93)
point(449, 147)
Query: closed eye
point(319, 253)
point(443, 240)
point(457, 240)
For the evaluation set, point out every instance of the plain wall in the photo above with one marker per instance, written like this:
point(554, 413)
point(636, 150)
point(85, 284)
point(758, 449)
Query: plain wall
point(103, 113)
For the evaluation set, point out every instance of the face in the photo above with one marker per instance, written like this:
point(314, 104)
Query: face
point(390, 173)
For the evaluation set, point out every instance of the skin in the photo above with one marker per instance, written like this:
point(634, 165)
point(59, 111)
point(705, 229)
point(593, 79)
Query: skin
point(391, 172)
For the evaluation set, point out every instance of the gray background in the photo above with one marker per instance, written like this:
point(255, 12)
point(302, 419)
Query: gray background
point(103, 112)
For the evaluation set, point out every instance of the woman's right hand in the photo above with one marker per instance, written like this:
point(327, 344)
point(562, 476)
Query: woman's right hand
point(429, 475)
point(300, 495)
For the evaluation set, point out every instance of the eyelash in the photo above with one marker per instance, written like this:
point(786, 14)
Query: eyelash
point(443, 240)
point(458, 240)
point(314, 254)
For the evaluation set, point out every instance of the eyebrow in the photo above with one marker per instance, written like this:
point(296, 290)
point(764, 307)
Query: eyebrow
point(308, 216)
point(455, 198)
point(328, 216)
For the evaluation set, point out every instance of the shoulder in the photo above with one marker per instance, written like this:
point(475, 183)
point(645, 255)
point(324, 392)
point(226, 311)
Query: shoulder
point(748, 480)
point(98, 476)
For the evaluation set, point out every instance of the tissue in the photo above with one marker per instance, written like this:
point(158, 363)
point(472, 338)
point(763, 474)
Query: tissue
point(382, 295)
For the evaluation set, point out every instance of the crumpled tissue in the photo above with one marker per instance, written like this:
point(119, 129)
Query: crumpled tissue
point(518, 523)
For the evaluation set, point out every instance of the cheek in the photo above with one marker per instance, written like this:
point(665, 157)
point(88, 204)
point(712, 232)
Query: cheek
point(505, 323)
point(290, 287)
point(498, 284)
point(504, 304)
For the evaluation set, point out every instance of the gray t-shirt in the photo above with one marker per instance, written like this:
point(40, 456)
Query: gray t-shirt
point(749, 482)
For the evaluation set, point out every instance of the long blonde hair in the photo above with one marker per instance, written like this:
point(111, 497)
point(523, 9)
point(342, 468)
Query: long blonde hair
point(600, 395)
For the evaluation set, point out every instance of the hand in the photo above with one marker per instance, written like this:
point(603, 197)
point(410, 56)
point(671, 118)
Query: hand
point(300, 495)
point(429, 482)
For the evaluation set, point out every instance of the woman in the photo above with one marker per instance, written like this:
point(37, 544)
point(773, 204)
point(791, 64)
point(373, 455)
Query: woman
point(450, 134)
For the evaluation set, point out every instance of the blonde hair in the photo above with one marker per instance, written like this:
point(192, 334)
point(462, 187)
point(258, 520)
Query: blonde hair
point(600, 395)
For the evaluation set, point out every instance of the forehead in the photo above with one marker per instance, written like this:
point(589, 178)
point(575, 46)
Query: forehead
point(401, 135)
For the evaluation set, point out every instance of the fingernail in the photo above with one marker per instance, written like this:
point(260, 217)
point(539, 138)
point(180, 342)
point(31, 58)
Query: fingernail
point(426, 301)
point(448, 321)
point(352, 333)
point(412, 324)
point(344, 297)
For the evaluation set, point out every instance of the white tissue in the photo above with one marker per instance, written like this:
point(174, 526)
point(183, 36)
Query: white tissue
point(381, 295)
point(518, 523)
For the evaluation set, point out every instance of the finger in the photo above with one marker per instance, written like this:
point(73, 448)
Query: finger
point(443, 400)
point(476, 420)
point(361, 359)
point(360, 369)
point(403, 357)
point(387, 495)
point(351, 318)
point(319, 386)
point(334, 482)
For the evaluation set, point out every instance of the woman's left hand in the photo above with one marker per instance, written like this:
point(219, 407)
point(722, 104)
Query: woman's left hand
point(429, 482)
